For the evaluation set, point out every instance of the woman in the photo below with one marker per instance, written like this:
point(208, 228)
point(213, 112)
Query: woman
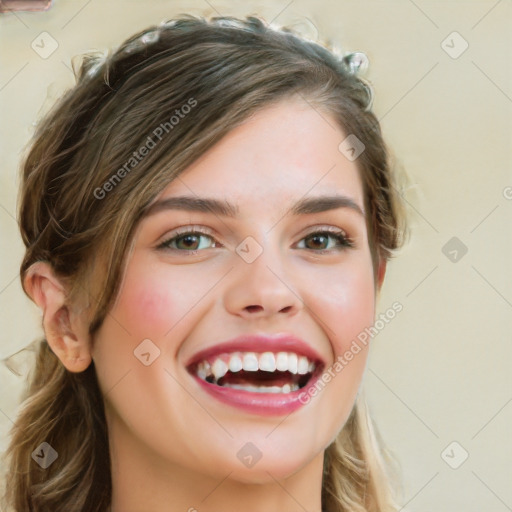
point(208, 215)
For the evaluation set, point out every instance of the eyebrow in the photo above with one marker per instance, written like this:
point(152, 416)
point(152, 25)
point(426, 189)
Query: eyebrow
point(225, 208)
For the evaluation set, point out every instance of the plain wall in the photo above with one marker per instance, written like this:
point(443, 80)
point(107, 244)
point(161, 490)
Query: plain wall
point(439, 371)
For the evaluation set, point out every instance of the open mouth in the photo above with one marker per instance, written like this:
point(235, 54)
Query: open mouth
point(267, 372)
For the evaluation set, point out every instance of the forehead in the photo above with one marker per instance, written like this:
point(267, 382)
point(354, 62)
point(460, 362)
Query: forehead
point(284, 151)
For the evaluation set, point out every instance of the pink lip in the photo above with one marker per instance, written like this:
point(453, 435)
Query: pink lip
point(263, 404)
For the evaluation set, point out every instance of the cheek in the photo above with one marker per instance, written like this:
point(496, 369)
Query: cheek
point(347, 306)
point(149, 308)
point(343, 307)
point(153, 299)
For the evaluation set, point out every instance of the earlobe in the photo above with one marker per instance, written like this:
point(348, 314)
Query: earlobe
point(65, 331)
point(381, 272)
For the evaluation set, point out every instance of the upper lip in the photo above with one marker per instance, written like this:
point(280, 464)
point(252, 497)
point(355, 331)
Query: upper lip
point(258, 343)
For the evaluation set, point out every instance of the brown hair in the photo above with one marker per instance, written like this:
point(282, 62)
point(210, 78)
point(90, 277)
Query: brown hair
point(85, 186)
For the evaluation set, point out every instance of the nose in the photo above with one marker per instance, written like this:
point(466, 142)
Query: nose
point(261, 288)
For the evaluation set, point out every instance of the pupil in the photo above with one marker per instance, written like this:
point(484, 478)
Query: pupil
point(189, 240)
point(319, 237)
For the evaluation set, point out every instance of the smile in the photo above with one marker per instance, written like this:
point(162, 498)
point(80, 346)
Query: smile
point(257, 379)
point(281, 372)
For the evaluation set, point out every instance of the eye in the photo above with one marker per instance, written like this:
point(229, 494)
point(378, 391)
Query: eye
point(188, 241)
point(318, 240)
point(194, 240)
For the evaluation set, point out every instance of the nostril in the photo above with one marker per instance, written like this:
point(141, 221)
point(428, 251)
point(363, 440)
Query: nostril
point(253, 309)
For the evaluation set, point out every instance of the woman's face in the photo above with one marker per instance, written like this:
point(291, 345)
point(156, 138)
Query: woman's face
point(282, 264)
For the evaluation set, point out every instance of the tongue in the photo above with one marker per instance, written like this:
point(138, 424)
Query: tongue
point(259, 378)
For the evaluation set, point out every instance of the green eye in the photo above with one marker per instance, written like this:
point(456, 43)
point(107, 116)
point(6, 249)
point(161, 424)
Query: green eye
point(188, 241)
point(196, 240)
point(320, 238)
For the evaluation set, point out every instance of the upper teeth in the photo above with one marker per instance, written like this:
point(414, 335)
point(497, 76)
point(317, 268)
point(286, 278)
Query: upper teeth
point(252, 362)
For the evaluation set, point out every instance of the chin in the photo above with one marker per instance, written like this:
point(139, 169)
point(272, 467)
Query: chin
point(269, 472)
point(273, 465)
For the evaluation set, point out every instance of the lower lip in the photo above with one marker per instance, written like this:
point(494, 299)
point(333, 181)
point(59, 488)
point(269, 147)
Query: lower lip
point(263, 404)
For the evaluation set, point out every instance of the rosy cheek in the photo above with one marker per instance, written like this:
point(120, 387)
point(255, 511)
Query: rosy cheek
point(154, 311)
point(147, 305)
point(351, 310)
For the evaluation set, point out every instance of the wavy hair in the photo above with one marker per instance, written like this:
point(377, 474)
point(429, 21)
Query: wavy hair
point(223, 69)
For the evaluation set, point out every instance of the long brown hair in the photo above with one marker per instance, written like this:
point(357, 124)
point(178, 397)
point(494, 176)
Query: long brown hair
point(176, 89)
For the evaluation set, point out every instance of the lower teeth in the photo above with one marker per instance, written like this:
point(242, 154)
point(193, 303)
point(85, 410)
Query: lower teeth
point(287, 388)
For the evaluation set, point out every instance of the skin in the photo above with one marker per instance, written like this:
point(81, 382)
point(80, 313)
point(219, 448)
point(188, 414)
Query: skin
point(171, 443)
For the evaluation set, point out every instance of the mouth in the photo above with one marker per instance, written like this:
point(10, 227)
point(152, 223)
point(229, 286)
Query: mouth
point(258, 379)
point(268, 372)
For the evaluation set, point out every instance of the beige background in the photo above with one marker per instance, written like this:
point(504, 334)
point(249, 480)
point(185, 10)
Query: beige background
point(440, 371)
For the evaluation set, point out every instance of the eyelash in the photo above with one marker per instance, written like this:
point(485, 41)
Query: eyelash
point(344, 241)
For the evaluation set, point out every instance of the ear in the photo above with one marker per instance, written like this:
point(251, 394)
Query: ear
point(381, 272)
point(65, 330)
